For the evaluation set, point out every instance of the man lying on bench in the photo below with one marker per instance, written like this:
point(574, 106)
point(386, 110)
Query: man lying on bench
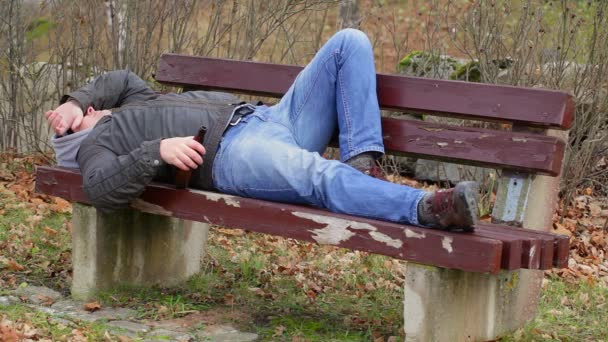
point(122, 135)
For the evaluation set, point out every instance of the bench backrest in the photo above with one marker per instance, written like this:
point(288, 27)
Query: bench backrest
point(523, 107)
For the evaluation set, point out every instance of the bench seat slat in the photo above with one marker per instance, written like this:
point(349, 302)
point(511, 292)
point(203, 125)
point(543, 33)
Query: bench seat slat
point(452, 250)
point(489, 249)
point(528, 106)
point(483, 147)
point(512, 248)
point(554, 247)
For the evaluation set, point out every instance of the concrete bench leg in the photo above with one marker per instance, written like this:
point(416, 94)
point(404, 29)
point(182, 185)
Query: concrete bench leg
point(451, 305)
point(132, 247)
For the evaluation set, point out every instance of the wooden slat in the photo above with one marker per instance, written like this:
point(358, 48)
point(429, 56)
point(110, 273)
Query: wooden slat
point(531, 251)
point(553, 247)
point(512, 248)
point(452, 250)
point(535, 107)
point(501, 149)
point(562, 251)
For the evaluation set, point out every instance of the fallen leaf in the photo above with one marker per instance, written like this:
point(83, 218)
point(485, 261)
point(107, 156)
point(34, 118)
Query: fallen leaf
point(312, 295)
point(92, 306)
point(6, 176)
point(45, 300)
point(162, 310)
point(36, 201)
point(61, 205)
point(8, 332)
point(49, 230)
point(228, 231)
point(77, 336)
point(28, 331)
point(279, 331)
point(559, 228)
point(228, 299)
point(595, 209)
point(14, 266)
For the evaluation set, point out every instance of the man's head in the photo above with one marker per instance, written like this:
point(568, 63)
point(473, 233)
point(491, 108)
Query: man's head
point(66, 146)
point(91, 118)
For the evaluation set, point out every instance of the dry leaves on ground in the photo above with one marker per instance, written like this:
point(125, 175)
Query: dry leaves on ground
point(585, 222)
point(92, 306)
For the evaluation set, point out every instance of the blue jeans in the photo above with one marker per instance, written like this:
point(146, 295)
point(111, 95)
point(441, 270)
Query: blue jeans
point(275, 153)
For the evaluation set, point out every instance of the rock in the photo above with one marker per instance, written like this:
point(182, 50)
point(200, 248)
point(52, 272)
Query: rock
point(8, 300)
point(235, 337)
point(38, 294)
point(75, 310)
point(431, 170)
point(426, 64)
point(128, 328)
point(225, 333)
point(44, 309)
point(168, 335)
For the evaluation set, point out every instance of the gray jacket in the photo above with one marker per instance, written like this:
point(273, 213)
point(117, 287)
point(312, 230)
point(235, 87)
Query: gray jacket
point(122, 153)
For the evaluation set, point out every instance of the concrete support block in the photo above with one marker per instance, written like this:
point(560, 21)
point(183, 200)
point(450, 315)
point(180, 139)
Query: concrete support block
point(451, 305)
point(132, 247)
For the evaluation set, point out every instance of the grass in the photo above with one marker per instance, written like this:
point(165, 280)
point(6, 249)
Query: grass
point(36, 325)
point(299, 303)
point(568, 312)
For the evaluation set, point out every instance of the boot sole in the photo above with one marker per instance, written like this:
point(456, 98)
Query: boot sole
point(468, 192)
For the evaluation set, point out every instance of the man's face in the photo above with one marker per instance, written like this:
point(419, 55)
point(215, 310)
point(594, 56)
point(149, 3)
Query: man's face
point(91, 118)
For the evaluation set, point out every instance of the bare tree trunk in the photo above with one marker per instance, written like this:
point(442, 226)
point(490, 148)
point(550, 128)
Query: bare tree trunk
point(349, 14)
point(117, 30)
point(15, 61)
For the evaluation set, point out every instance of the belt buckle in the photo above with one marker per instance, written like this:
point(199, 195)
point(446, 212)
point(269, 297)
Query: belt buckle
point(236, 122)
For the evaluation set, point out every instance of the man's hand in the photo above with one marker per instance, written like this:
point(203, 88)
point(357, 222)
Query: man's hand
point(183, 152)
point(68, 115)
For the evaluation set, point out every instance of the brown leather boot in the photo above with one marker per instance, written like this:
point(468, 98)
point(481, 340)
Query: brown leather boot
point(375, 171)
point(367, 164)
point(452, 209)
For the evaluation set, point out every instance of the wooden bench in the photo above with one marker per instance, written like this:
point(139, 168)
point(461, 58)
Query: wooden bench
point(459, 286)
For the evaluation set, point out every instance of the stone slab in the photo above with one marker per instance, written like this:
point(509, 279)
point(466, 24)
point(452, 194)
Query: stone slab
point(436, 171)
point(168, 335)
point(75, 310)
point(37, 294)
point(128, 328)
point(225, 333)
point(8, 300)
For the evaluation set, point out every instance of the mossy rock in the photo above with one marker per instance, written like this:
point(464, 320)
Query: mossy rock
point(471, 71)
point(468, 72)
point(420, 63)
